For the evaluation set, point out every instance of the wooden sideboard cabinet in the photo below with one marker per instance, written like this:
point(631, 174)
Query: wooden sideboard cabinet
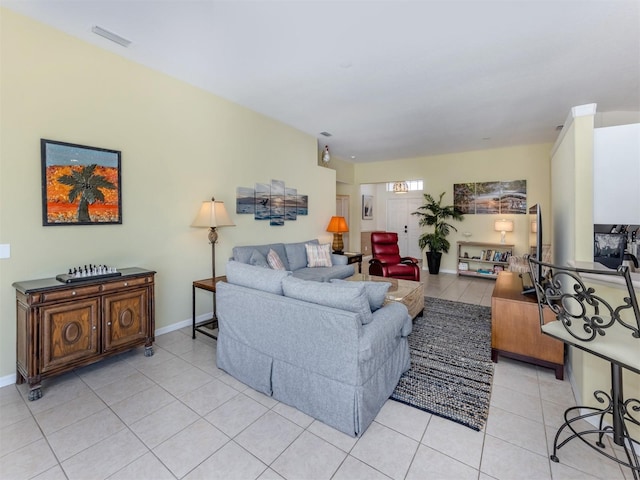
point(62, 326)
point(515, 327)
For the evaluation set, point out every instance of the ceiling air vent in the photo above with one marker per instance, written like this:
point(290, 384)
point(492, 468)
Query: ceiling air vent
point(326, 134)
point(110, 36)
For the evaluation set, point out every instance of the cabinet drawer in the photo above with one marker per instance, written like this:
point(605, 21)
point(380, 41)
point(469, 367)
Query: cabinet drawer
point(124, 283)
point(66, 294)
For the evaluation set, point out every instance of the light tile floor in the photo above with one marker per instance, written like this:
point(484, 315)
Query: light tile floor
point(176, 415)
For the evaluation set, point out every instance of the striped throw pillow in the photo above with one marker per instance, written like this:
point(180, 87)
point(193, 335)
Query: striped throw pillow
point(273, 259)
point(318, 255)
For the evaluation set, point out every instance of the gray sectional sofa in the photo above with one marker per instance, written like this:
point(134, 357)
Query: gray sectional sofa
point(294, 257)
point(331, 349)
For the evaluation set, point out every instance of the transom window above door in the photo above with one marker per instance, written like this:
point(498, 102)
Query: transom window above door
point(412, 185)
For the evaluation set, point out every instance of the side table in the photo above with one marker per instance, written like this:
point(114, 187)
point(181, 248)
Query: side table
point(354, 257)
point(208, 284)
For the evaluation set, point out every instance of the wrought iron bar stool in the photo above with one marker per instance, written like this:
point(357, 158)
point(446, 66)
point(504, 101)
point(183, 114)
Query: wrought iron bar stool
point(606, 328)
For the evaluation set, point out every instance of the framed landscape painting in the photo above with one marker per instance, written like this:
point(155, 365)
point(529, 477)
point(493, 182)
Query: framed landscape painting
point(81, 185)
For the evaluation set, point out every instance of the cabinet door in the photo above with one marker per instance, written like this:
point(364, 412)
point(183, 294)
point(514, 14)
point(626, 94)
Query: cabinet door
point(125, 318)
point(69, 332)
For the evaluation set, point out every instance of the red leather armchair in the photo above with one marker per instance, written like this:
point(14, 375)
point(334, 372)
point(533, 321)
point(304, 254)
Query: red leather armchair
point(387, 262)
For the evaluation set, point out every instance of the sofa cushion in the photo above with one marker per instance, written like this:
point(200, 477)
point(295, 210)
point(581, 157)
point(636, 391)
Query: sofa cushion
point(297, 254)
point(351, 298)
point(324, 274)
point(252, 276)
point(376, 291)
point(258, 259)
point(274, 260)
point(318, 255)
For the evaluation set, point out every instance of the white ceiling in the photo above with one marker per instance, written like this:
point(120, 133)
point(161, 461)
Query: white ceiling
point(389, 79)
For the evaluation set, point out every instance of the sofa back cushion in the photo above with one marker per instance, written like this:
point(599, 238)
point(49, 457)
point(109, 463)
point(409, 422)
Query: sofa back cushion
point(256, 277)
point(345, 296)
point(243, 254)
point(376, 291)
point(297, 254)
point(257, 259)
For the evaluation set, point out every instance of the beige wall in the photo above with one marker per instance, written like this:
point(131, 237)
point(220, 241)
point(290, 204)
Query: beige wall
point(572, 199)
point(179, 144)
point(440, 172)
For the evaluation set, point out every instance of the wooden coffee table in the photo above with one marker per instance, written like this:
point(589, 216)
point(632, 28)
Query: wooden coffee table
point(407, 292)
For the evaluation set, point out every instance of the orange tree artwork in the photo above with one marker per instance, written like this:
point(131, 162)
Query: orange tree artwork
point(82, 185)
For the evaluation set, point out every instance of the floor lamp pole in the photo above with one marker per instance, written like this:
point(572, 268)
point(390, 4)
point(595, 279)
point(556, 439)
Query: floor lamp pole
point(213, 238)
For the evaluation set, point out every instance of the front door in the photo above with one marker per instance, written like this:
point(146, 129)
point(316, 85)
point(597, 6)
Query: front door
point(401, 221)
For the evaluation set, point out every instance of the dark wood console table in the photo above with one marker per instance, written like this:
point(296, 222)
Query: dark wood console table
point(515, 327)
point(354, 257)
point(62, 326)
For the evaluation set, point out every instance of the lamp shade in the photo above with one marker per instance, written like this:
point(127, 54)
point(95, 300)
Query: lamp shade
point(212, 214)
point(337, 225)
point(503, 226)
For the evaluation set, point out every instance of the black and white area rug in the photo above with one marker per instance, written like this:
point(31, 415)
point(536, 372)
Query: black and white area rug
point(451, 368)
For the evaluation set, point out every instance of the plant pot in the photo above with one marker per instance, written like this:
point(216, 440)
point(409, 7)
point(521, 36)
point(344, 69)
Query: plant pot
point(433, 262)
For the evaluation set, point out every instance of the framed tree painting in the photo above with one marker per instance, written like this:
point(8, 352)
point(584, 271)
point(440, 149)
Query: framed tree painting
point(80, 185)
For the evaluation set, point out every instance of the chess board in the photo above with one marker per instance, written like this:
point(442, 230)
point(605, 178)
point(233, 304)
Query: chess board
point(87, 272)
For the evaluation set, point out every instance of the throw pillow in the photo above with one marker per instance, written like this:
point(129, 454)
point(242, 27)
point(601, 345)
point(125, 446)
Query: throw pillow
point(258, 278)
point(318, 255)
point(274, 261)
point(376, 291)
point(297, 254)
point(351, 298)
point(258, 259)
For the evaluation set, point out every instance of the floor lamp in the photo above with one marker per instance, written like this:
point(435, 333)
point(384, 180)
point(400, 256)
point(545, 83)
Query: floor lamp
point(213, 214)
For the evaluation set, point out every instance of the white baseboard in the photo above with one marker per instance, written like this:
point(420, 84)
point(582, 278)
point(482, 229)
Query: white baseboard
point(425, 268)
point(7, 380)
point(184, 323)
point(11, 379)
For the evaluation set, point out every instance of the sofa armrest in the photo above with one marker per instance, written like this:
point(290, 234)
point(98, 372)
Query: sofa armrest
point(389, 322)
point(338, 259)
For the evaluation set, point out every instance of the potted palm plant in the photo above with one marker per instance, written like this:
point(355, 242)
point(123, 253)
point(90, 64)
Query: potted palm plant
point(434, 214)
